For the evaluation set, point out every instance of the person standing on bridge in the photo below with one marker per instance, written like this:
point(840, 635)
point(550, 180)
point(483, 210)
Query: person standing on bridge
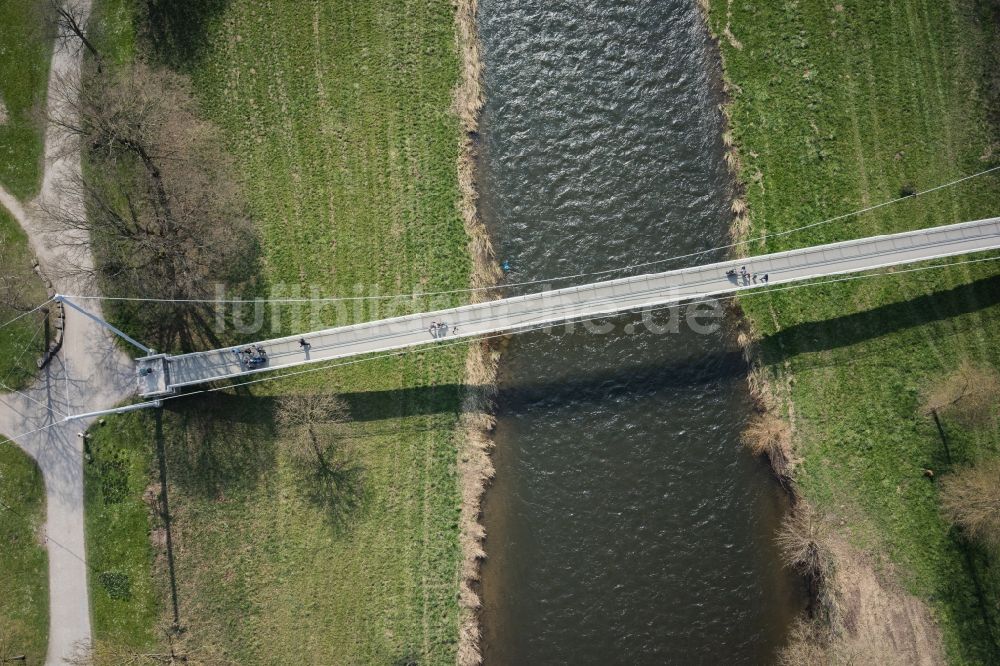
point(304, 344)
point(433, 329)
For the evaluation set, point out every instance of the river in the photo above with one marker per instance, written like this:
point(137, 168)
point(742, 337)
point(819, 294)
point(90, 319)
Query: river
point(626, 524)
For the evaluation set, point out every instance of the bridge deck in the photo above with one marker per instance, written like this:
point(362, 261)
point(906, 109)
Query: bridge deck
point(600, 298)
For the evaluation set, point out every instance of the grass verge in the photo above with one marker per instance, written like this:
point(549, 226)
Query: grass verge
point(24, 585)
point(123, 589)
point(25, 52)
point(341, 119)
point(22, 342)
point(834, 107)
point(24, 70)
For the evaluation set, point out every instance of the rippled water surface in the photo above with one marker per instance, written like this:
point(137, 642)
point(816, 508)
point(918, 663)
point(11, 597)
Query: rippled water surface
point(626, 525)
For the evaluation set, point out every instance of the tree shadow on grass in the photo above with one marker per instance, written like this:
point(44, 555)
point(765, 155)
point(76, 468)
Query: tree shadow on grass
point(335, 487)
point(178, 31)
point(220, 443)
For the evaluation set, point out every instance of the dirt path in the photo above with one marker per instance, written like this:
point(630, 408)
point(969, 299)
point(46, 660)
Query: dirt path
point(89, 373)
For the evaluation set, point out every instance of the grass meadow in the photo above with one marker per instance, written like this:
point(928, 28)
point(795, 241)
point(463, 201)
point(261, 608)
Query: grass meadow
point(838, 106)
point(24, 70)
point(339, 115)
point(24, 585)
point(23, 341)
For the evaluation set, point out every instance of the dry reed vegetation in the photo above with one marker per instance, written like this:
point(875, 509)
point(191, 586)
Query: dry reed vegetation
point(474, 465)
point(769, 435)
point(862, 617)
point(970, 498)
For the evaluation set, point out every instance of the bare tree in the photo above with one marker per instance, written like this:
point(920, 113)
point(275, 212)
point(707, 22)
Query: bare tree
point(316, 444)
point(164, 211)
point(969, 394)
point(67, 21)
point(315, 426)
point(803, 542)
point(970, 498)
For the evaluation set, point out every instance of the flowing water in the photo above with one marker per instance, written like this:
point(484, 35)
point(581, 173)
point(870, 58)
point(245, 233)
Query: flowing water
point(626, 525)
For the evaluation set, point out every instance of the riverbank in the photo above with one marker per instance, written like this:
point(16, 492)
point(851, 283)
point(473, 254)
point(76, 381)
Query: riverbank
point(349, 136)
point(475, 468)
point(834, 108)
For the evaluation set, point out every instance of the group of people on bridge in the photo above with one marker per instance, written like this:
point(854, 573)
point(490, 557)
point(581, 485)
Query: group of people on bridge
point(745, 276)
point(252, 356)
point(439, 329)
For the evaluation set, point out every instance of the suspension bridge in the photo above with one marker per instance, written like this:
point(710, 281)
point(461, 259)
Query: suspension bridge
point(160, 375)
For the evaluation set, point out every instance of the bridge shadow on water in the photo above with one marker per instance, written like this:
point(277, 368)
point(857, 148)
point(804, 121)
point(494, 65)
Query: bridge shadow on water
point(635, 381)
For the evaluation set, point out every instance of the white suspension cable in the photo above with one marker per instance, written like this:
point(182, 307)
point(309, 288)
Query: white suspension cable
point(30, 432)
point(25, 314)
point(24, 351)
point(34, 400)
point(787, 232)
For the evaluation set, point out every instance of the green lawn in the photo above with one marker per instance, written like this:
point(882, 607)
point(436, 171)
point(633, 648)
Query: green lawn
point(22, 342)
point(24, 583)
point(24, 70)
point(123, 582)
point(835, 107)
point(339, 115)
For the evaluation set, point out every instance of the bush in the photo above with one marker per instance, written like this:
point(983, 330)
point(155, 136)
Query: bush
point(802, 540)
point(970, 498)
point(769, 435)
point(969, 394)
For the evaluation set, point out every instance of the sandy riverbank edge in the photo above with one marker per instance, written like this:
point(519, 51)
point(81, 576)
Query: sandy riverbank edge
point(857, 609)
point(475, 468)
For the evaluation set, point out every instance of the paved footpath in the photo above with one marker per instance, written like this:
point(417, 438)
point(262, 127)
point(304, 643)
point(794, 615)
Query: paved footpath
point(89, 373)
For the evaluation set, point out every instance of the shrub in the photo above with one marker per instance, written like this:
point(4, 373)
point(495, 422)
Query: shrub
point(970, 498)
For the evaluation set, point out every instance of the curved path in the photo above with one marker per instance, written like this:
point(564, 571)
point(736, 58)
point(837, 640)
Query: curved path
point(89, 372)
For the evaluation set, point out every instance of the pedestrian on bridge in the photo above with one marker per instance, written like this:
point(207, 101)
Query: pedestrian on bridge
point(433, 329)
